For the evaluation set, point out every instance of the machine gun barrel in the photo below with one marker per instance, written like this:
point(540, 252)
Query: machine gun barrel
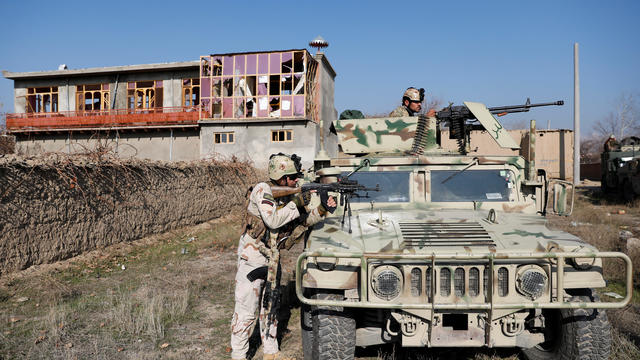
point(522, 108)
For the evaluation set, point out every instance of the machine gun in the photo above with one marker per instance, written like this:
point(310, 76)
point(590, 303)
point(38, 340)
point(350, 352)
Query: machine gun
point(456, 119)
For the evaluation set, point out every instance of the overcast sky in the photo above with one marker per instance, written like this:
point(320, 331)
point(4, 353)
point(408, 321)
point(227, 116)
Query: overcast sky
point(495, 52)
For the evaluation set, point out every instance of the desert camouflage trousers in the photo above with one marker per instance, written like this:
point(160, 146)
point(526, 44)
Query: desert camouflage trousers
point(248, 297)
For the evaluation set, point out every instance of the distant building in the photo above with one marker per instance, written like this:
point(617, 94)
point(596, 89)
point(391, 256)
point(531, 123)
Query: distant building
point(246, 105)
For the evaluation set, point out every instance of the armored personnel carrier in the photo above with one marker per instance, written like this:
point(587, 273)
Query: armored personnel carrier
point(452, 251)
point(619, 167)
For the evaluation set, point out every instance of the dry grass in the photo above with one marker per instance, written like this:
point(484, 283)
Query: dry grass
point(175, 289)
point(91, 308)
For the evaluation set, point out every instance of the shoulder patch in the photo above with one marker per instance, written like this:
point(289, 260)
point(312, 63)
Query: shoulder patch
point(267, 202)
point(269, 197)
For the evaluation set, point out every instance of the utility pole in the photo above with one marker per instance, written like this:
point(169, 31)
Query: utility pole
point(576, 117)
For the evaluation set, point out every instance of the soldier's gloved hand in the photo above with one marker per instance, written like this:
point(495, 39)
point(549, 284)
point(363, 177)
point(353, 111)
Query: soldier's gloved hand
point(327, 202)
point(301, 200)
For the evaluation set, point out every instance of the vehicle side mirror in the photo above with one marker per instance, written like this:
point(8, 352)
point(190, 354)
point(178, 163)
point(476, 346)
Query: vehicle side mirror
point(561, 193)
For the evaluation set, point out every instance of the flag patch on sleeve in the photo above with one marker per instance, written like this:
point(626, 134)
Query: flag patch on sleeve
point(267, 202)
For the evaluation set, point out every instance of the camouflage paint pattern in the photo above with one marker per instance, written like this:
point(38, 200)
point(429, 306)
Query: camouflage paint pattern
point(400, 111)
point(251, 255)
point(532, 151)
point(436, 237)
point(364, 136)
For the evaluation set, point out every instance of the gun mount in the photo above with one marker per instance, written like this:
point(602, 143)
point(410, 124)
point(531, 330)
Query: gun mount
point(457, 119)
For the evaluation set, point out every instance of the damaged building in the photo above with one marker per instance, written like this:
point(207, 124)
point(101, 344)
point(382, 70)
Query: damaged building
point(222, 105)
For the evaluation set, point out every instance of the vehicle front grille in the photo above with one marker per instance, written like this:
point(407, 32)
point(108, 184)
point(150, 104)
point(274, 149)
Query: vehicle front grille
point(445, 282)
point(416, 282)
point(421, 234)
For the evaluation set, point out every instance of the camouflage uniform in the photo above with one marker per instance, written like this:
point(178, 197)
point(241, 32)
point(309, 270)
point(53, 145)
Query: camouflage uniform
point(401, 111)
point(264, 214)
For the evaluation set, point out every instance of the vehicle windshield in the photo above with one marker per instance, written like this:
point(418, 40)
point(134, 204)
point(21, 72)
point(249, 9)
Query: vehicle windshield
point(394, 185)
point(471, 185)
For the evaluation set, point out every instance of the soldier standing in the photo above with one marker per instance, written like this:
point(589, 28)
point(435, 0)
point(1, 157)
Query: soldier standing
point(266, 216)
point(411, 104)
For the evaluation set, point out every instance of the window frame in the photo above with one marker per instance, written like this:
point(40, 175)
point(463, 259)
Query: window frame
point(228, 134)
point(103, 93)
point(284, 132)
point(36, 96)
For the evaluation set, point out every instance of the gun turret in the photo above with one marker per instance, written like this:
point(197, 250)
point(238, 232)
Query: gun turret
point(455, 117)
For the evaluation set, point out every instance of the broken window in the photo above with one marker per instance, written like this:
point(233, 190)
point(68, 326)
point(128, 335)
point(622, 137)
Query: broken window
point(42, 99)
point(190, 92)
point(281, 135)
point(274, 107)
point(205, 66)
point(144, 94)
point(224, 137)
point(92, 97)
point(287, 85)
point(258, 85)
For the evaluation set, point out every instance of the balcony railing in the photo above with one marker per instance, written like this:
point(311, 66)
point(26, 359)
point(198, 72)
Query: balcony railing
point(181, 115)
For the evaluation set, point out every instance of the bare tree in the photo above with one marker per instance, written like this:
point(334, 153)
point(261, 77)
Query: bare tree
point(623, 121)
point(590, 149)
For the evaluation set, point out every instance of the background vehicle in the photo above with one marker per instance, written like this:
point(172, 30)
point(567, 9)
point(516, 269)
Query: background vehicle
point(619, 168)
point(452, 252)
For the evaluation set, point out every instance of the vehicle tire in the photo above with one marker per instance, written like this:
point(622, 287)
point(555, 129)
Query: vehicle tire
point(306, 326)
point(334, 330)
point(574, 334)
point(603, 185)
point(627, 191)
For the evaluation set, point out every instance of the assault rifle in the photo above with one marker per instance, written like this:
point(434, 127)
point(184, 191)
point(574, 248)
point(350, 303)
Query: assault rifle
point(456, 118)
point(347, 189)
point(344, 186)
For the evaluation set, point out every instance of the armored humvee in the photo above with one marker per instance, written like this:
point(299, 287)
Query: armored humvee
point(619, 168)
point(453, 251)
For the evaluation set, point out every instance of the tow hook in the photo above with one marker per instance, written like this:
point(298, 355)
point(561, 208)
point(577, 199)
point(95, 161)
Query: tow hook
point(511, 326)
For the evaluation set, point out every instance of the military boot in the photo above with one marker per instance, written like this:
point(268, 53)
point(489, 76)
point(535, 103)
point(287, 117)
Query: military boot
point(277, 356)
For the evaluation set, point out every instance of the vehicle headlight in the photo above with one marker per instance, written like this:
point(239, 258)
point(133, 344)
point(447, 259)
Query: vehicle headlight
point(531, 281)
point(386, 282)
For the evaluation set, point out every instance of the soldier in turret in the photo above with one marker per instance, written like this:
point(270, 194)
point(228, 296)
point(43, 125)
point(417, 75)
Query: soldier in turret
point(611, 144)
point(411, 104)
point(266, 216)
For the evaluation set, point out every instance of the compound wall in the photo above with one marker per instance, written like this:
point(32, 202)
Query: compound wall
point(57, 207)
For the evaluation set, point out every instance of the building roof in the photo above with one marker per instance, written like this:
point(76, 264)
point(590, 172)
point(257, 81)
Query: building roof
point(101, 70)
point(138, 68)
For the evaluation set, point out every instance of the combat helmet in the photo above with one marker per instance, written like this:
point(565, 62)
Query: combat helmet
point(282, 164)
point(413, 94)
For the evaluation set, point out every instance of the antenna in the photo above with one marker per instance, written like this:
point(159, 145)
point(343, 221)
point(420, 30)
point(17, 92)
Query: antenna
point(318, 43)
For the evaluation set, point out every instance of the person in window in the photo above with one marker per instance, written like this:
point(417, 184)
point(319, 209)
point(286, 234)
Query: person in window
point(412, 100)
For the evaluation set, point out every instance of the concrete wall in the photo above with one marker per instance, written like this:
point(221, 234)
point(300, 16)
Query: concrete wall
point(166, 145)
point(54, 208)
point(554, 149)
point(253, 141)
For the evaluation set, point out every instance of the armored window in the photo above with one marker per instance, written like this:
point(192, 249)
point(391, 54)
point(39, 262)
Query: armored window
point(281, 135)
point(471, 185)
point(394, 185)
point(224, 137)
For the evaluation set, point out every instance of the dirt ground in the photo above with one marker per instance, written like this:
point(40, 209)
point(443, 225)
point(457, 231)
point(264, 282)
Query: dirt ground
point(171, 296)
